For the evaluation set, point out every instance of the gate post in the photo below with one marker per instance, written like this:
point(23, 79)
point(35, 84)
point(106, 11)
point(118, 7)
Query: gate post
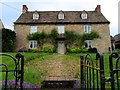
point(81, 74)
point(115, 55)
point(102, 75)
point(21, 57)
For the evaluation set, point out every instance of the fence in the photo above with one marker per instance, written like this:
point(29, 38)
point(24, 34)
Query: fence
point(18, 70)
point(92, 72)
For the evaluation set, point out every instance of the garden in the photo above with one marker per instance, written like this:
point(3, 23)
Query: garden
point(44, 62)
point(38, 66)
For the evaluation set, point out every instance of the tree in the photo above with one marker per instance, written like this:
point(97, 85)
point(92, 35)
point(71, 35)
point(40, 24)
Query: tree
point(39, 37)
point(8, 40)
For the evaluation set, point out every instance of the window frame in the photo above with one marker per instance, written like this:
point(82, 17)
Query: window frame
point(84, 15)
point(87, 28)
point(61, 29)
point(35, 16)
point(34, 44)
point(61, 15)
point(89, 43)
point(33, 28)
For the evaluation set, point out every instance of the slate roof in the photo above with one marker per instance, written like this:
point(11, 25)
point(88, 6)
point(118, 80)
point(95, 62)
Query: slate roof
point(117, 38)
point(51, 17)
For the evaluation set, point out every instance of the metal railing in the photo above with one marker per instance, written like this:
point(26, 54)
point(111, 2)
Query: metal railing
point(18, 70)
point(92, 72)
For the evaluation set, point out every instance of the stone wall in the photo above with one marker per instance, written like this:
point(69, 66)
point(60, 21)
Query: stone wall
point(101, 44)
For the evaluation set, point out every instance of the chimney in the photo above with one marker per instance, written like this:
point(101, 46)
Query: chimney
point(24, 9)
point(98, 8)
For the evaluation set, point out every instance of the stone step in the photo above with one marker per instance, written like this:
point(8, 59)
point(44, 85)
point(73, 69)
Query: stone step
point(58, 83)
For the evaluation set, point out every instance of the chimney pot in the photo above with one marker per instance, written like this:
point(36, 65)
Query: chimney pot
point(24, 9)
point(98, 8)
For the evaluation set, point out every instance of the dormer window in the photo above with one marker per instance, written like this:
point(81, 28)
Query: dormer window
point(61, 15)
point(84, 15)
point(35, 15)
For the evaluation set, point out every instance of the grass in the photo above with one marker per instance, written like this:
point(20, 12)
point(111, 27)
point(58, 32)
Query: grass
point(40, 65)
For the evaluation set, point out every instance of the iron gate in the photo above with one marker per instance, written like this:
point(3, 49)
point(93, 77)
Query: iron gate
point(18, 70)
point(92, 72)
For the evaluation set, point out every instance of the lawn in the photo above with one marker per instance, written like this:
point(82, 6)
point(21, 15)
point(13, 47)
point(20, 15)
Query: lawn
point(39, 66)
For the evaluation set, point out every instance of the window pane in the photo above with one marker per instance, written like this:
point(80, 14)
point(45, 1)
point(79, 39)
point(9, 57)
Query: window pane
point(33, 29)
point(61, 29)
point(33, 44)
point(87, 28)
point(61, 15)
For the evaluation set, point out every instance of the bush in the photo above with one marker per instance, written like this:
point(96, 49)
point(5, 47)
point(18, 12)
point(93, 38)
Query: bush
point(78, 50)
point(83, 50)
point(73, 50)
point(8, 40)
point(117, 50)
point(33, 50)
point(92, 50)
point(48, 49)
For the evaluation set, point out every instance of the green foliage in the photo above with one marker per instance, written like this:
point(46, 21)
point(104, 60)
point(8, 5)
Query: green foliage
point(8, 40)
point(83, 49)
point(117, 50)
point(90, 36)
point(78, 50)
point(53, 36)
point(33, 50)
point(71, 38)
point(74, 50)
point(48, 49)
point(39, 37)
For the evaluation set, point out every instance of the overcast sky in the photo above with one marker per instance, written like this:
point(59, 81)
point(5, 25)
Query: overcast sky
point(11, 10)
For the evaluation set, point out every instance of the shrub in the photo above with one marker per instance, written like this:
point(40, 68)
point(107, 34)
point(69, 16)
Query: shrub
point(48, 49)
point(33, 50)
point(117, 50)
point(83, 50)
point(8, 40)
point(78, 50)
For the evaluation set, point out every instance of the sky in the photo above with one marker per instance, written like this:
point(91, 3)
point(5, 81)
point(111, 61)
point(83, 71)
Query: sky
point(11, 10)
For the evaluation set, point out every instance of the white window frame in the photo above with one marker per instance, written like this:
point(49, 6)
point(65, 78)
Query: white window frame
point(89, 43)
point(87, 28)
point(61, 29)
point(61, 15)
point(34, 44)
point(35, 16)
point(84, 15)
point(33, 29)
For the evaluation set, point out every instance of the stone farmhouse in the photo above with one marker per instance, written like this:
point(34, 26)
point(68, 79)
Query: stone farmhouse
point(78, 21)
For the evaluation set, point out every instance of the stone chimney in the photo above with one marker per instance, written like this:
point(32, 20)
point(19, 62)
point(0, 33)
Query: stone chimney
point(98, 8)
point(24, 9)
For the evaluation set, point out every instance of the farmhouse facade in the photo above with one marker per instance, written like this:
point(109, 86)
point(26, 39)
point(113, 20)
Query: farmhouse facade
point(78, 21)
